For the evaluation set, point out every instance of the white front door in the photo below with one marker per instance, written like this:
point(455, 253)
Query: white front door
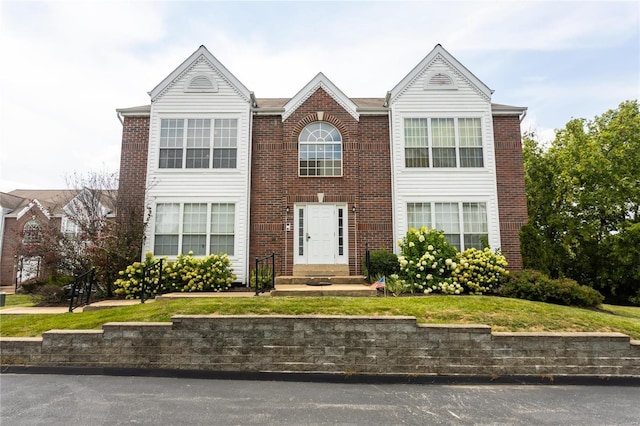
point(321, 234)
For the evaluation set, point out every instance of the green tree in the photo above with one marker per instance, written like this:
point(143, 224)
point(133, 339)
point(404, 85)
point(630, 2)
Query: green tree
point(583, 195)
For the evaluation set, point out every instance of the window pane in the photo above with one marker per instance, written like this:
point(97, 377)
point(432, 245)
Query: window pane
point(197, 158)
point(167, 218)
point(198, 133)
point(224, 158)
point(301, 232)
point(225, 133)
point(170, 158)
point(415, 132)
point(470, 132)
point(31, 233)
point(320, 159)
point(475, 217)
point(444, 157)
point(222, 218)
point(471, 157)
point(474, 241)
point(443, 132)
point(195, 219)
point(418, 215)
point(453, 240)
point(222, 244)
point(416, 157)
point(340, 232)
point(165, 245)
point(320, 150)
point(194, 243)
point(171, 133)
point(447, 218)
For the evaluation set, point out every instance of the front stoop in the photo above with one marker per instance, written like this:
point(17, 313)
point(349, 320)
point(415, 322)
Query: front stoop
point(351, 290)
point(322, 280)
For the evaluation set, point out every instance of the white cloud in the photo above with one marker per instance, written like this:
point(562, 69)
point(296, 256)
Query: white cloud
point(72, 64)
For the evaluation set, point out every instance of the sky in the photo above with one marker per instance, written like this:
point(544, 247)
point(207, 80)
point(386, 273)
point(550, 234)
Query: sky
point(67, 66)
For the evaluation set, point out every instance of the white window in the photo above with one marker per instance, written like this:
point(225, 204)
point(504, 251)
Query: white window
point(222, 228)
point(194, 148)
point(443, 142)
point(464, 224)
point(320, 150)
point(32, 232)
point(201, 228)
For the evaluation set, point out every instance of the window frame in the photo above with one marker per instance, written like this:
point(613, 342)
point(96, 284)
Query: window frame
point(462, 143)
point(324, 143)
point(184, 227)
point(32, 232)
point(462, 225)
point(189, 141)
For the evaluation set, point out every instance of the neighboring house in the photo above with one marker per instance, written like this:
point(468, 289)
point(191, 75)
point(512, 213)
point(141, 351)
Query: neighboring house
point(26, 214)
point(317, 177)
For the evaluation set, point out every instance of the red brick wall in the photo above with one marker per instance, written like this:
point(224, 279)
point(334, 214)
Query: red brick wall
point(133, 168)
point(512, 200)
point(365, 184)
point(12, 240)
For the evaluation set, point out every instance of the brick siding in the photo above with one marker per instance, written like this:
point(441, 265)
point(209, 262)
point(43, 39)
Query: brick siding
point(133, 168)
point(275, 184)
point(512, 199)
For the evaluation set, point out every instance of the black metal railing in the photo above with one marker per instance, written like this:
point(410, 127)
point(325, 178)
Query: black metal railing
point(264, 275)
point(80, 291)
point(149, 287)
point(367, 262)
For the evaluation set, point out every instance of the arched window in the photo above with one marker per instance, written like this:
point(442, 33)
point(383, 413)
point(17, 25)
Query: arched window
point(31, 233)
point(320, 150)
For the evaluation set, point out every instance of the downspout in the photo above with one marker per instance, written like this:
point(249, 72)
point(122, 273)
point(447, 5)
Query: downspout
point(393, 171)
point(252, 105)
point(120, 119)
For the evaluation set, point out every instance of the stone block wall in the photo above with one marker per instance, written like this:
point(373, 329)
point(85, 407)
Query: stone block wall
point(328, 344)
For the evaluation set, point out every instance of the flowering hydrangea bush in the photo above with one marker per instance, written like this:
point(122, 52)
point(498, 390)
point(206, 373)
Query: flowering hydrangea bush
point(428, 264)
point(478, 271)
point(426, 261)
point(186, 273)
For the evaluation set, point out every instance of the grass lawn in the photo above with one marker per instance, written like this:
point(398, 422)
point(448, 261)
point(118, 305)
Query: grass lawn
point(15, 300)
point(502, 314)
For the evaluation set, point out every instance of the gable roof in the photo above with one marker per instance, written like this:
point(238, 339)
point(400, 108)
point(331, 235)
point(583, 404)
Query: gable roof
point(320, 80)
point(439, 52)
point(201, 53)
point(51, 202)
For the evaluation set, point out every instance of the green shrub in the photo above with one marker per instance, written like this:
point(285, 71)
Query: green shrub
point(382, 264)
point(49, 295)
point(186, 274)
point(478, 271)
point(264, 278)
point(534, 285)
point(30, 286)
point(426, 261)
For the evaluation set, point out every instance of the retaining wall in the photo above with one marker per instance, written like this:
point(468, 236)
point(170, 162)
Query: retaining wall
point(328, 344)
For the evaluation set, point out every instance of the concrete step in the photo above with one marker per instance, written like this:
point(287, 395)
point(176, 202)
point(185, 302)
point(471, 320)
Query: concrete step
point(320, 270)
point(350, 290)
point(319, 279)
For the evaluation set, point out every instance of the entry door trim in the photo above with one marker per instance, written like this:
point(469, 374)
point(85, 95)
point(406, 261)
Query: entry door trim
point(337, 225)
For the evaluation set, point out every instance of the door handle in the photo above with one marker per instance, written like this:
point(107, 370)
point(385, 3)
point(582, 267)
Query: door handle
point(308, 236)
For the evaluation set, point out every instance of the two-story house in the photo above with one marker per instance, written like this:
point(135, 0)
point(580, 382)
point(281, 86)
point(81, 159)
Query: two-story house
point(317, 177)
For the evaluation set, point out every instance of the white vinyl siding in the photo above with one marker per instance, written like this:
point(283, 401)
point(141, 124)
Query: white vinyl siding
point(226, 177)
point(415, 179)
